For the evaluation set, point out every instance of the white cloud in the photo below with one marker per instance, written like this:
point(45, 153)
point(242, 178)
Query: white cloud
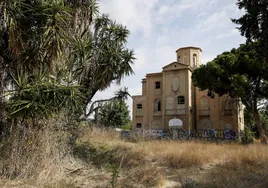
point(227, 34)
point(216, 20)
point(140, 53)
point(135, 14)
point(163, 10)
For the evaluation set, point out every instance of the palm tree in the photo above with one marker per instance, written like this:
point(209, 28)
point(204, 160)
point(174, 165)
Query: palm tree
point(101, 57)
point(55, 55)
point(121, 95)
point(66, 42)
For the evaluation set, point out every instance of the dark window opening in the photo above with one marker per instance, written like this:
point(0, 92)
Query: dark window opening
point(194, 59)
point(139, 106)
point(157, 106)
point(181, 100)
point(138, 125)
point(179, 58)
point(157, 85)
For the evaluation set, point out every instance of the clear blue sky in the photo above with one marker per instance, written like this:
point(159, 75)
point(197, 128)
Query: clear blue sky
point(159, 27)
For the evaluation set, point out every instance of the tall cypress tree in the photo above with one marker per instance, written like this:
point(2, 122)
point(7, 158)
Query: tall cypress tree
point(254, 23)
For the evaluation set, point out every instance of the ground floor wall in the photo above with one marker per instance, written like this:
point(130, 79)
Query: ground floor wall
point(203, 123)
point(225, 134)
point(225, 127)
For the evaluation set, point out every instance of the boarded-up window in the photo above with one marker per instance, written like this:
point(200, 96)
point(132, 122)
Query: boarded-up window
point(204, 103)
point(185, 60)
point(156, 124)
point(170, 103)
point(228, 126)
point(204, 124)
point(228, 106)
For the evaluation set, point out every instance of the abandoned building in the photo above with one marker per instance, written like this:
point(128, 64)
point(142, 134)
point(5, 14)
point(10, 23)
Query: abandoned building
point(170, 95)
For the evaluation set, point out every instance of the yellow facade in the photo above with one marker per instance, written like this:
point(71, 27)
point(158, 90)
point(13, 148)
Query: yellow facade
point(170, 94)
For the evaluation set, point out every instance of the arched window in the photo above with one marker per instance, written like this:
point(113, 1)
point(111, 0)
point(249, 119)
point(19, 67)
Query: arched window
point(194, 60)
point(181, 100)
point(228, 106)
point(185, 60)
point(157, 105)
point(204, 106)
point(170, 103)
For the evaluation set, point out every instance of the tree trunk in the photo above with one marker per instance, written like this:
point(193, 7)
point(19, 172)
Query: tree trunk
point(2, 108)
point(260, 128)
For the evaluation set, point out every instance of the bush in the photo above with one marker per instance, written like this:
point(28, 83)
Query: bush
point(127, 126)
point(247, 136)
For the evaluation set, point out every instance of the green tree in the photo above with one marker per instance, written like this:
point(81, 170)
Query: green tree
point(102, 58)
point(54, 48)
point(114, 114)
point(254, 23)
point(54, 57)
point(240, 73)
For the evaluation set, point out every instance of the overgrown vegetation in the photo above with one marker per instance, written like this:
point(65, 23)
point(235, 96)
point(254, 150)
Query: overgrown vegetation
point(55, 55)
point(114, 114)
point(242, 72)
point(187, 163)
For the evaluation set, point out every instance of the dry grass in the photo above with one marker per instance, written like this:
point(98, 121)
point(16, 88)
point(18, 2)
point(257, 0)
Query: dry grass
point(181, 154)
point(189, 163)
point(43, 158)
point(101, 154)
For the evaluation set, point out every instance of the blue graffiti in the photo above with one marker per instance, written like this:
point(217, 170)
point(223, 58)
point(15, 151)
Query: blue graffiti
point(226, 134)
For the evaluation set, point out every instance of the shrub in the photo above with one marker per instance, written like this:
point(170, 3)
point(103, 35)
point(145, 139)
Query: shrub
point(247, 136)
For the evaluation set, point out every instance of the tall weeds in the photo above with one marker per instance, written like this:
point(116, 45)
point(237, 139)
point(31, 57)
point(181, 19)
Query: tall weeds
point(36, 151)
point(182, 154)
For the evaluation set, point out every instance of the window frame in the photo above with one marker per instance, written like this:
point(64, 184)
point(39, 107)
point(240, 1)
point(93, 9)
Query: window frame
point(138, 125)
point(139, 106)
point(157, 105)
point(194, 60)
point(157, 85)
point(179, 99)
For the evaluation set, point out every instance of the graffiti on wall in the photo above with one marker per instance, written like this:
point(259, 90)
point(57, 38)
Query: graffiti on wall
point(226, 134)
point(151, 133)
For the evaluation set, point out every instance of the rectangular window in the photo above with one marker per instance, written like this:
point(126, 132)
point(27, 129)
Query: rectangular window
point(139, 106)
point(181, 100)
point(194, 60)
point(157, 106)
point(138, 125)
point(157, 85)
